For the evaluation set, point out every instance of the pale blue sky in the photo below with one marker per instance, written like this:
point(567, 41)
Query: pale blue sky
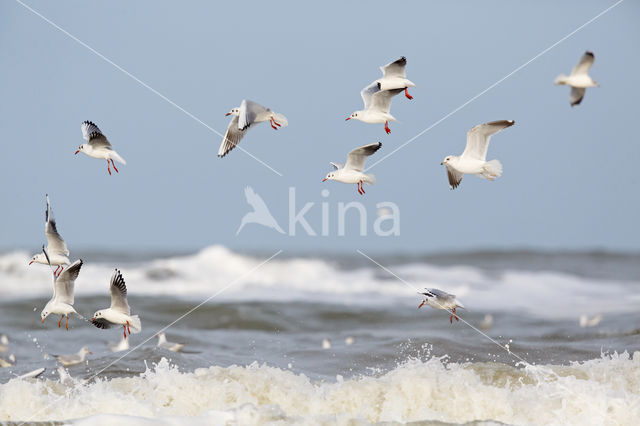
point(570, 174)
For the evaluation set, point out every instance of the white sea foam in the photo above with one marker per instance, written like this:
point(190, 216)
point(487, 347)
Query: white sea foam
point(601, 391)
point(545, 293)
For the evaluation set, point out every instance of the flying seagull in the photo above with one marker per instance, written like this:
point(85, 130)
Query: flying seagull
point(473, 159)
point(352, 171)
point(439, 299)
point(56, 247)
point(61, 302)
point(119, 313)
point(247, 114)
point(98, 145)
point(579, 79)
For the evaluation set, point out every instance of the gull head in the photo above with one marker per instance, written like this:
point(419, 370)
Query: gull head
point(234, 111)
point(330, 176)
point(80, 148)
point(97, 315)
point(356, 115)
point(447, 160)
point(40, 258)
point(84, 350)
point(44, 314)
point(424, 302)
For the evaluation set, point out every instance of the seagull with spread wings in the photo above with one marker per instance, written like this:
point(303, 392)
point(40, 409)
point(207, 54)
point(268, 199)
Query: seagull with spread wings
point(394, 76)
point(439, 299)
point(119, 313)
point(247, 114)
point(98, 145)
point(579, 79)
point(473, 159)
point(352, 171)
point(61, 302)
point(57, 252)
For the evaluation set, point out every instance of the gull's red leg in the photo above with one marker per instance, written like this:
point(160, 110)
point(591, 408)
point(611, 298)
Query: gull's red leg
point(128, 328)
point(60, 322)
point(108, 168)
point(114, 166)
point(56, 271)
point(358, 186)
point(386, 127)
point(271, 122)
point(124, 333)
point(362, 186)
point(451, 319)
point(66, 325)
point(61, 269)
point(454, 314)
point(407, 94)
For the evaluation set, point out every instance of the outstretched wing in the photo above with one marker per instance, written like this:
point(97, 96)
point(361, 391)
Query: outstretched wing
point(92, 134)
point(479, 136)
point(576, 95)
point(249, 110)
point(381, 100)
point(368, 92)
point(101, 323)
point(357, 157)
point(584, 65)
point(119, 293)
point(65, 283)
point(55, 243)
point(455, 177)
point(336, 166)
point(395, 68)
point(232, 137)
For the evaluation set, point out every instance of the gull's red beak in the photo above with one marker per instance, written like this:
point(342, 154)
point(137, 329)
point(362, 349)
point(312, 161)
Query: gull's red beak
point(93, 319)
point(421, 305)
point(77, 151)
point(43, 320)
point(227, 114)
point(324, 179)
point(90, 353)
point(30, 262)
point(348, 118)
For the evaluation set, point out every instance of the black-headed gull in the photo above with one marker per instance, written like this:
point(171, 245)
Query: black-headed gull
point(98, 145)
point(247, 114)
point(61, 302)
point(439, 299)
point(377, 106)
point(164, 344)
point(73, 359)
point(119, 312)
point(394, 76)
point(56, 247)
point(351, 172)
point(473, 159)
point(579, 79)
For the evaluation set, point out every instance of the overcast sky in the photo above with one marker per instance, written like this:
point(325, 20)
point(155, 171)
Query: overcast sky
point(570, 174)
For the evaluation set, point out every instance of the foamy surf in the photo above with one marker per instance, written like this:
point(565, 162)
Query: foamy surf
point(599, 391)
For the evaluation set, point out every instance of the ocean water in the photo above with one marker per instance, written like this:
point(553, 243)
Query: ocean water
point(332, 340)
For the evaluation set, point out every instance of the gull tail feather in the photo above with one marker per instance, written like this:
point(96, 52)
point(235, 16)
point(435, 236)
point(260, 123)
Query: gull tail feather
point(135, 325)
point(492, 169)
point(117, 157)
point(370, 178)
point(280, 119)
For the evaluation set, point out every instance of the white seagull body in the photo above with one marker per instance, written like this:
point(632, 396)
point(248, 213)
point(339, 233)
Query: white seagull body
point(164, 344)
point(378, 95)
point(56, 247)
point(119, 313)
point(62, 301)
point(352, 171)
point(73, 359)
point(473, 159)
point(579, 79)
point(247, 114)
point(98, 145)
point(439, 299)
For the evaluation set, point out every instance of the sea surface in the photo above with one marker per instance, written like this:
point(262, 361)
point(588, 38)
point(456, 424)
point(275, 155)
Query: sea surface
point(332, 340)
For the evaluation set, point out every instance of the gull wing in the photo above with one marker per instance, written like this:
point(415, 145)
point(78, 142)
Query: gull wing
point(576, 95)
point(368, 92)
point(249, 111)
point(119, 293)
point(55, 243)
point(357, 157)
point(92, 134)
point(101, 323)
point(479, 136)
point(381, 100)
point(584, 65)
point(395, 68)
point(455, 177)
point(232, 137)
point(65, 283)
point(336, 165)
